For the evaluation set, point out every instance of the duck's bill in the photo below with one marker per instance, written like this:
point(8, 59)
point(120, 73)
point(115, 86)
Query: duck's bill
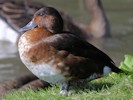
point(29, 26)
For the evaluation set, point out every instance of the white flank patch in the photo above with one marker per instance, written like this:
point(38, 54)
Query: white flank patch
point(106, 70)
point(7, 33)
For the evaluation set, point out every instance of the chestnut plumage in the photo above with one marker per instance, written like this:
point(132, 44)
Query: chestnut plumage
point(60, 57)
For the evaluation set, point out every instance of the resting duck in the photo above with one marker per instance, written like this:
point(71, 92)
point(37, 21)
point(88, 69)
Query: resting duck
point(11, 11)
point(60, 57)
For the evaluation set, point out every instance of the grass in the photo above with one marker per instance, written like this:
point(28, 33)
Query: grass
point(112, 87)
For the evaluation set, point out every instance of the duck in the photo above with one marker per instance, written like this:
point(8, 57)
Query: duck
point(99, 25)
point(60, 57)
point(11, 11)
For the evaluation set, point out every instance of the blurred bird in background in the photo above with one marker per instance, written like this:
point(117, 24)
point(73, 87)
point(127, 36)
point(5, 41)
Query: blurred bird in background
point(15, 14)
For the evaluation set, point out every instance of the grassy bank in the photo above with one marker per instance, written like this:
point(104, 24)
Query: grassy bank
point(113, 87)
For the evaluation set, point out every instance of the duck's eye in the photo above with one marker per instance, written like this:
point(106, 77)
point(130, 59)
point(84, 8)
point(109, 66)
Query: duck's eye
point(41, 14)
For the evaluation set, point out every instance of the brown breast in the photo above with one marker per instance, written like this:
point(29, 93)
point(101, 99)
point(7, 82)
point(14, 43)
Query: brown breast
point(31, 45)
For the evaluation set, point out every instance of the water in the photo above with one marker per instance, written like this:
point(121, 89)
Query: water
point(10, 64)
point(121, 19)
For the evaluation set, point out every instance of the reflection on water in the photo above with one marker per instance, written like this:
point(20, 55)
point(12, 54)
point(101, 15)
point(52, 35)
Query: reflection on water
point(121, 20)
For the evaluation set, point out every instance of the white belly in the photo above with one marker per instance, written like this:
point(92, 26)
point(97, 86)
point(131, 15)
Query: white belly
point(46, 72)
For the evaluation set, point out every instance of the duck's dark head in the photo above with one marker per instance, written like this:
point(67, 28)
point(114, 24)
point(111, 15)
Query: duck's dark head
point(46, 17)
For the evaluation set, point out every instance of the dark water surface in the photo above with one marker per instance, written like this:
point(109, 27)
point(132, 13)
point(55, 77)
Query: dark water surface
point(120, 14)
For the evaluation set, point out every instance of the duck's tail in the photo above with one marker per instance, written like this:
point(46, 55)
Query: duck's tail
point(117, 70)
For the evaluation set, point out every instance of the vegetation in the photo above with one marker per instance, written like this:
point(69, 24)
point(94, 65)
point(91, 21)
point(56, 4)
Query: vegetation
point(127, 64)
point(112, 87)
